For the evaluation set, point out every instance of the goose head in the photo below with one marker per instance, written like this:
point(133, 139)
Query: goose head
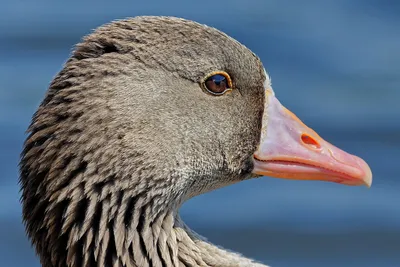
point(147, 113)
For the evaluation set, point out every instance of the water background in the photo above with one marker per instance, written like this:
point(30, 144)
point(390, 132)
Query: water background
point(336, 64)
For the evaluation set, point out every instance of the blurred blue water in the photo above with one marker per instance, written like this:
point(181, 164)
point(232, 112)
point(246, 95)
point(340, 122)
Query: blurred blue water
point(336, 64)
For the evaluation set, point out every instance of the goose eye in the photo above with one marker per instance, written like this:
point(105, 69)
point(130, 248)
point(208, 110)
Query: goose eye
point(218, 83)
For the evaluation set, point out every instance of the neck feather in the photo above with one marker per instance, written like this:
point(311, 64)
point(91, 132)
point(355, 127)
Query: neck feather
point(124, 231)
point(194, 250)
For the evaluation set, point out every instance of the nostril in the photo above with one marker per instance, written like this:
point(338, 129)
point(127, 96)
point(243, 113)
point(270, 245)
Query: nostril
point(310, 141)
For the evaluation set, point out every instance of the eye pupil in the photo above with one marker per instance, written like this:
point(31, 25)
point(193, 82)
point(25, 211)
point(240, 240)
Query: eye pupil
point(218, 79)
point(217, 84)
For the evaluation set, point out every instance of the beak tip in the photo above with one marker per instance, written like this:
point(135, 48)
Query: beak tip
point(368, 180)
point(367, 177)
point(368, 184)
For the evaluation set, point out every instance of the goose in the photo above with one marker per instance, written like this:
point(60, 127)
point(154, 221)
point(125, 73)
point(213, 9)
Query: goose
point(147, 113)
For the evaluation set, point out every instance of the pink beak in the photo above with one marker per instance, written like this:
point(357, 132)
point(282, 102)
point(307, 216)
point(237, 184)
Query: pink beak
point(289, 149)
